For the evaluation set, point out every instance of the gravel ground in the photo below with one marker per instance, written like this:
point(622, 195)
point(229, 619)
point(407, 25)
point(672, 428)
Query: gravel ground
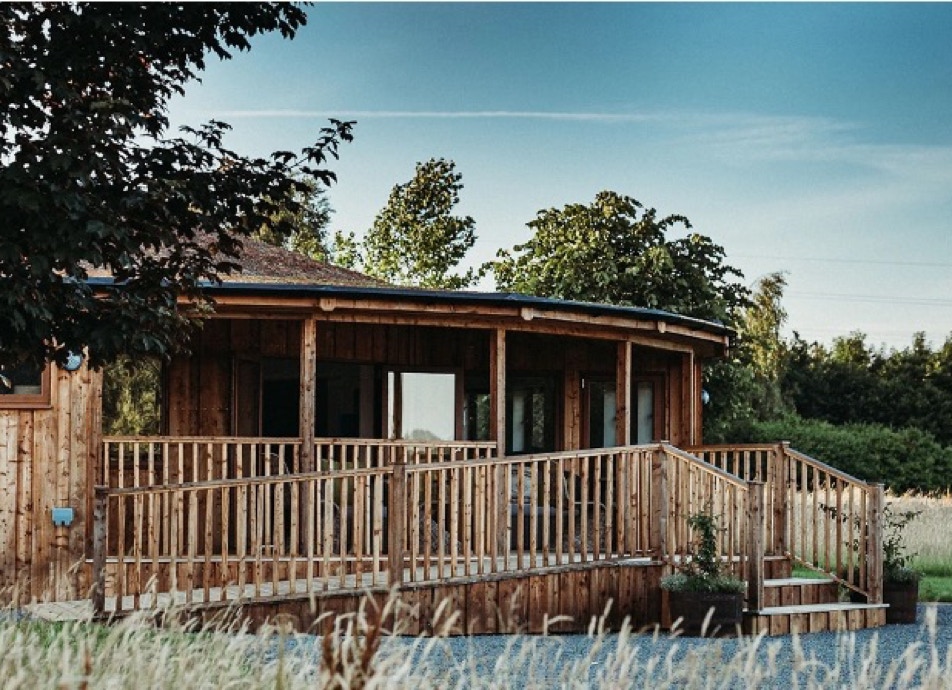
point(892, 656)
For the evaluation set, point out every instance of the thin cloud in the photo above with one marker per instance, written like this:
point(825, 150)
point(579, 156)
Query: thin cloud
point(447, 115)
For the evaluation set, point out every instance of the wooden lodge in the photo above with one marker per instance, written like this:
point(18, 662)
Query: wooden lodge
point(527, 460)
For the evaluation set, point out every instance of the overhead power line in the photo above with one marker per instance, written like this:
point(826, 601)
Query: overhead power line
point(876, 299)
point(872, 262)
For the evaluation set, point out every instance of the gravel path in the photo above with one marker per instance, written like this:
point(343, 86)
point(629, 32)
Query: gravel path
point(892, 656)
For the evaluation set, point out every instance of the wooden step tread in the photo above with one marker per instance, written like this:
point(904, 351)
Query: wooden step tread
point(814, 608)
point(798, 581)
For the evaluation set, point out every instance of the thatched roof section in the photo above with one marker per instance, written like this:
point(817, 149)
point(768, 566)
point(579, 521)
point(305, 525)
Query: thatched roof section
point(265, 263)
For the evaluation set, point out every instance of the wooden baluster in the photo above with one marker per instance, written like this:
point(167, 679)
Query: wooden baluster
point(658, 535)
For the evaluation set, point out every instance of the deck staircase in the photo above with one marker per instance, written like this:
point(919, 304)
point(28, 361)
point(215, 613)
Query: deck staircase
point(800, 509)
point(807, 605)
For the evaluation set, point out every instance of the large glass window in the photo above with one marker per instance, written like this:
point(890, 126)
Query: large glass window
point(421, 406)
point(644, 412)
point(477, 423)
point(601, 414)
point(531, 416)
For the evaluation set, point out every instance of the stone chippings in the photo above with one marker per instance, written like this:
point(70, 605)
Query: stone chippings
point(820, 659)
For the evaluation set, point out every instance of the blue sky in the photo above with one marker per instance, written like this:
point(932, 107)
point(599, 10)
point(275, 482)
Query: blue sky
point(810, 138)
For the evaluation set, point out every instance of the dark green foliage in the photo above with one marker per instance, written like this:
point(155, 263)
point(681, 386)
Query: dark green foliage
point(908, 459)
point(131, 397)
point(746, 386)
point(300, 223)
point(91, 177)
point(615, 251)
point(415, 239)
point(704, 570)
point(896, 557)
point(854, 383)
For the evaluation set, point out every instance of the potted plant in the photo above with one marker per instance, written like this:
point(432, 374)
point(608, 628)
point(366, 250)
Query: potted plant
point(900, 580)
point(702, 583)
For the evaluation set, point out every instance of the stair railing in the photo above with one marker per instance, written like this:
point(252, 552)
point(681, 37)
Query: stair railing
point(820, 517)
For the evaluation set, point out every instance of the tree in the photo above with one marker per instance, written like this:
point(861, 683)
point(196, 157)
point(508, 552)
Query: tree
point(615, 251)
point(745, 387)
point(91, 178)
point(300, 223)
point(760, 325)
point(415, 239)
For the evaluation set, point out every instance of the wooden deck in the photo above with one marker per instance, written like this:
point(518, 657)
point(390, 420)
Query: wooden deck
point(213, 523)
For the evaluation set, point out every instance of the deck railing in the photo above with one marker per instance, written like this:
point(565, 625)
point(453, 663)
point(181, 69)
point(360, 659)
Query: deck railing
point(823, 518)
point(140, 461)
point(220, 519)
point(288, 533)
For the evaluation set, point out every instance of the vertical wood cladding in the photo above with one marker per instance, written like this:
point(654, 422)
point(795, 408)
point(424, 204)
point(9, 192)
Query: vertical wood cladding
point(47, 457)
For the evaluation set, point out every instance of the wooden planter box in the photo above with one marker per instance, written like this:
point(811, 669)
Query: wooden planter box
point(902, 598)
point(692, 608)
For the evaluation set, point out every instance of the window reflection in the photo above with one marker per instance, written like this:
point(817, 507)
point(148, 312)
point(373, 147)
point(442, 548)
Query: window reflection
point(427, 406)
point(22, 379)
point(602, 411)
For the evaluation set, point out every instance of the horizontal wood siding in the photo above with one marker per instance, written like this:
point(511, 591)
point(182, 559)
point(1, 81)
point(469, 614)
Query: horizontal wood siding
point(45, 462)
point(530, 603)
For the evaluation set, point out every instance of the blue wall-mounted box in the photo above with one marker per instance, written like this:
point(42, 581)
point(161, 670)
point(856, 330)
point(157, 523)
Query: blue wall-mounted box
point(63, 517)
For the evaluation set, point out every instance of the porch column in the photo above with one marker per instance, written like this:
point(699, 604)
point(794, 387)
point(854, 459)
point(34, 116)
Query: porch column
point(497, 430)
point(623, 395)
point(306, 413)
point(689, 400)
point(497, 390)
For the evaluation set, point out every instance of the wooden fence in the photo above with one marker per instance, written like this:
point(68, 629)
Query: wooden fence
point(823, 518)
point(223, 519)
point(292, 533)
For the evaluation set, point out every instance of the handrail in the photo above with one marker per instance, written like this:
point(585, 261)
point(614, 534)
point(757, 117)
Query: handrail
point(818, 515)
point(268, 480)
point(832, 471)
point(202, 439)
point(707, 467)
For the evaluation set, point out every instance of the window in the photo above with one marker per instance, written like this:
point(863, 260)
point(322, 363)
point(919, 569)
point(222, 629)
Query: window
point(530, 418)
point(602, 411)
point(421, 406)
point(644, 412)
point(24, 386)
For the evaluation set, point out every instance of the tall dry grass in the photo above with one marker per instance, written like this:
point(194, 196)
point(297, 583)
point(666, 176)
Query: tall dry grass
point(929, 536)
point(133, 654)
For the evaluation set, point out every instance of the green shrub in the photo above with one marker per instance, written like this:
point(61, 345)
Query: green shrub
point(903, 460)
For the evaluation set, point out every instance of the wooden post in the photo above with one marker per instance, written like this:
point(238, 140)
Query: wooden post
point(623, 395)
point(497, 392)
point(308, 380)
point(755, 552)
point(782, 498)
point(874, 550)
point(397, 519)
point(98, 594)
point(658, 532)
point(497, 413)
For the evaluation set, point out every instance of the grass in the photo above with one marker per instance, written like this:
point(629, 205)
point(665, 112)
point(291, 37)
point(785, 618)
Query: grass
point(78, 656)
point(926, 539)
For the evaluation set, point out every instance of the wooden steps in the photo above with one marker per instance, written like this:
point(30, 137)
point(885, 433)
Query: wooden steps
point(800, 591)
point(808, 618)
point(805, 605)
